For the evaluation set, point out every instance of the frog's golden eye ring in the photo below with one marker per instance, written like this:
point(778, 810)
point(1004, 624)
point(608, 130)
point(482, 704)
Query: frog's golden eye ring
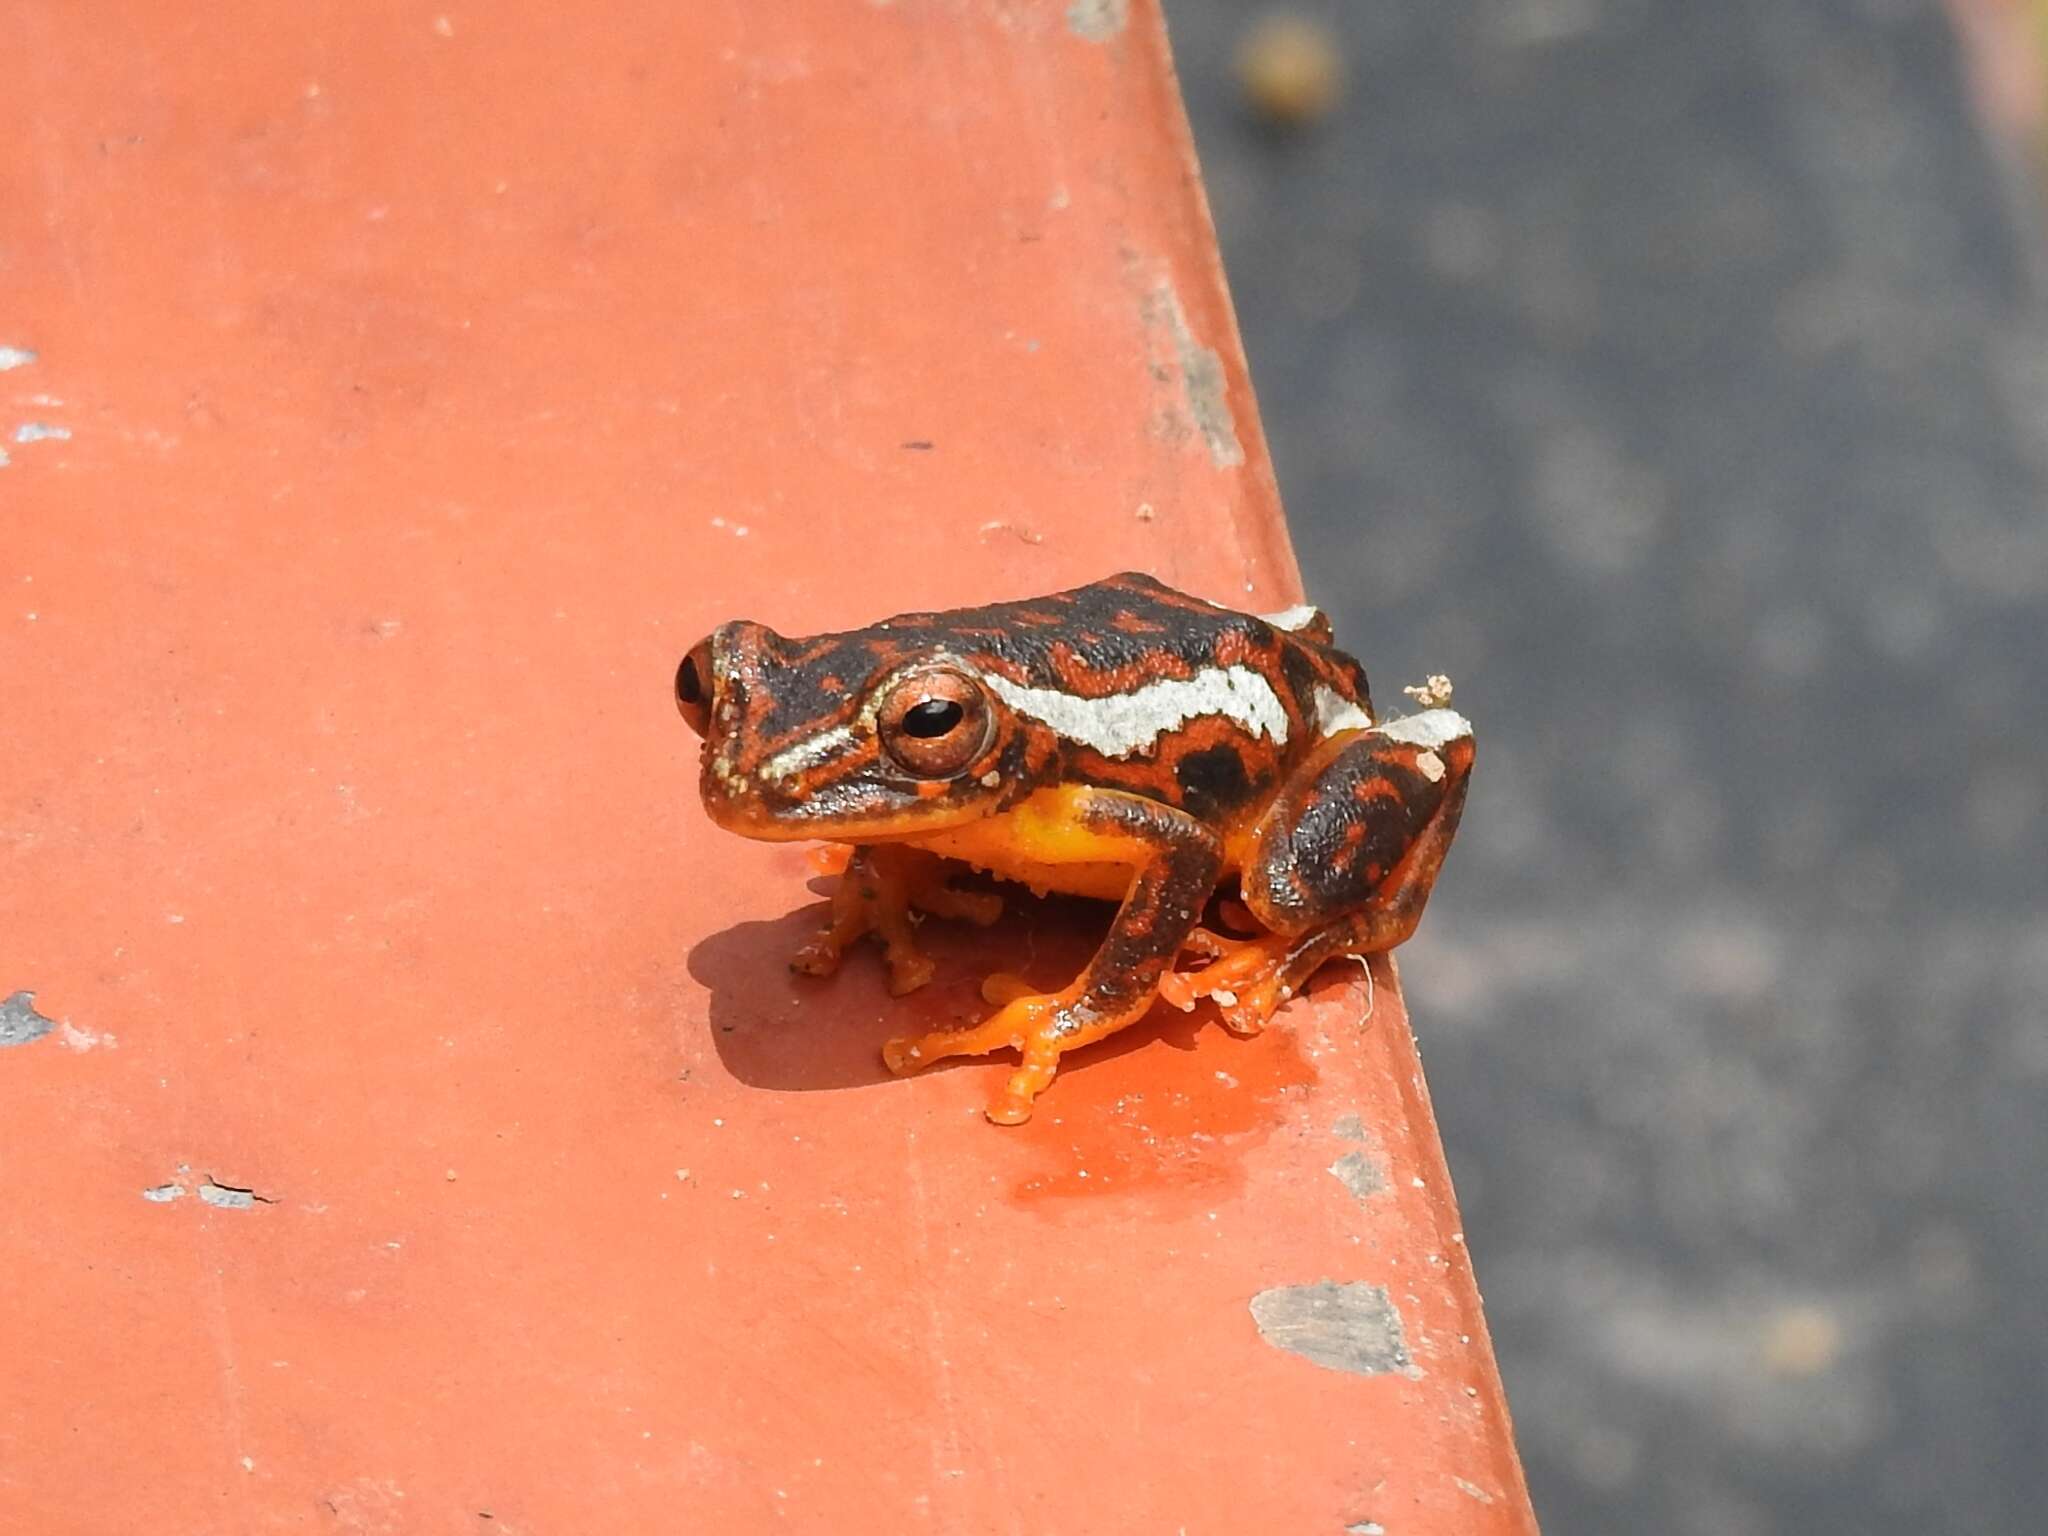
point(934, 723)
point(693, 687)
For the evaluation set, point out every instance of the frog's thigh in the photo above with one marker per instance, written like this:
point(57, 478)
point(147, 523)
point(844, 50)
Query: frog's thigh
point(1363, 823)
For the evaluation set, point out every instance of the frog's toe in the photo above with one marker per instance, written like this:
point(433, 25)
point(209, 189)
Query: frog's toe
point(909, 969)
point(977, 907)
point(1013, 1105)
point(1003, 987)
point(817, 957)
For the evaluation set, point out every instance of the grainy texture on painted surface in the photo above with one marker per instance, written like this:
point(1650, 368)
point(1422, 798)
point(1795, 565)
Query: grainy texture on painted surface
point(427, 399)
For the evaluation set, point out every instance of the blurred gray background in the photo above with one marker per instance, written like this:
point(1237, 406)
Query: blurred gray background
point(1673, 374)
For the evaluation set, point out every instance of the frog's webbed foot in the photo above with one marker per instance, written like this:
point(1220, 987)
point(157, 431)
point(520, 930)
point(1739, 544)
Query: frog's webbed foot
point(1040, 1025)
point(1247, 979)
point(882, 892)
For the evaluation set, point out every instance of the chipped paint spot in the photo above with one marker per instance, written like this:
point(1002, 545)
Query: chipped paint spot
point(15, 357)
point(1350, 1127)
point(1098, 20)
point(225, 1197)
point(1119, 724)
point(1365, 1528)
point(1357, 1172)
point(1339, 1327)
point(36, 431)
point(19, 1021)
point(1473, 1490)
point(1201, 378)
point(1432, 767)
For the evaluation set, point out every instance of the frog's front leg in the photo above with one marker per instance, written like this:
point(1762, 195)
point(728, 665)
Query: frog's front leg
point(1342, 863)
point(883, 885)
point(1174, 861)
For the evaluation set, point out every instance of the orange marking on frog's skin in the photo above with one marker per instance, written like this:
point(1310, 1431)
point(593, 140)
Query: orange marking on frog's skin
point(1138, 745)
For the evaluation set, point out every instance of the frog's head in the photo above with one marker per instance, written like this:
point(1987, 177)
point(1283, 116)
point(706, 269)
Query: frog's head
point(855, 737)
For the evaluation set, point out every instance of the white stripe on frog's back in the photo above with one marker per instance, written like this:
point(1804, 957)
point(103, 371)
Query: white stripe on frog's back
point(1122, 723)
point(1336, 713)
point(1431, 729)
point(1296, 618)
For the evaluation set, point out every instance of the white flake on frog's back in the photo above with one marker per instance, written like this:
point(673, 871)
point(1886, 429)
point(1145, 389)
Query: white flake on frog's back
point(36, 431)
point(808, 754)
point(1299, 617)
point(15, 357)
point(1122, 723)
point(1431, 729)
point(1336, 713)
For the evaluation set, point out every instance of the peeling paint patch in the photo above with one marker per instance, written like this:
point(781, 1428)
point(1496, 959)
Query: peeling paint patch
point(1365, 1528)
point(1339, 1327)
point(225, 1197)
point(19, 1021)
point(1201, 378)
point(36, 431)
point(1098, 20)
point(1357, 1172)
point(15, 357)
point(1350, 1127)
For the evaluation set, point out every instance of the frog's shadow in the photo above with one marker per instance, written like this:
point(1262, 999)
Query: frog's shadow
point(777, 1030)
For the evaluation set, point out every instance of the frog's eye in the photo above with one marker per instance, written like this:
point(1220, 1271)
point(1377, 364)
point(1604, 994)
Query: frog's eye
point(693, 687)
point(933, 724)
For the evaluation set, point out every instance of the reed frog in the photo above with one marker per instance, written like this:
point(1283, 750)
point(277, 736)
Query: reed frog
point(1123, 741)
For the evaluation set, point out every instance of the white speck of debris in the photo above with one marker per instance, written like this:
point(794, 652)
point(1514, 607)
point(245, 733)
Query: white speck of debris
point(174, 917)
point(15, 357)
point(1227, 999)
point(443, 27)
point(1417, 1182)
point(718, 1122)
point(682, 1175)
point(1432, 767)
point(739, 1194)
point(248, 1463)
point(36, 431)
point(1226, 1079)
point(740, 532)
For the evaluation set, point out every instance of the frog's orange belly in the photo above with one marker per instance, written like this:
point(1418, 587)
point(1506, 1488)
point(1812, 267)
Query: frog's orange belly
point(1006, 860)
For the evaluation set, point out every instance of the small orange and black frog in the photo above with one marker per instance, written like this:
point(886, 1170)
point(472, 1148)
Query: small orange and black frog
point(1122, 741)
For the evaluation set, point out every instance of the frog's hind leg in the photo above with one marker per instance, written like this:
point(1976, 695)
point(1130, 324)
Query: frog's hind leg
point(1174, 861)
point(881, 889)
point(1342, 864)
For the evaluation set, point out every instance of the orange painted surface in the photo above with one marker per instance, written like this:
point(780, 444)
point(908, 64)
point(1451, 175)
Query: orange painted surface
point(433, 377)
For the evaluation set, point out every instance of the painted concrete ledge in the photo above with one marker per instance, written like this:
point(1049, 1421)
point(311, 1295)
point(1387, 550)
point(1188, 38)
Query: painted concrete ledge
point(411, 1126)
